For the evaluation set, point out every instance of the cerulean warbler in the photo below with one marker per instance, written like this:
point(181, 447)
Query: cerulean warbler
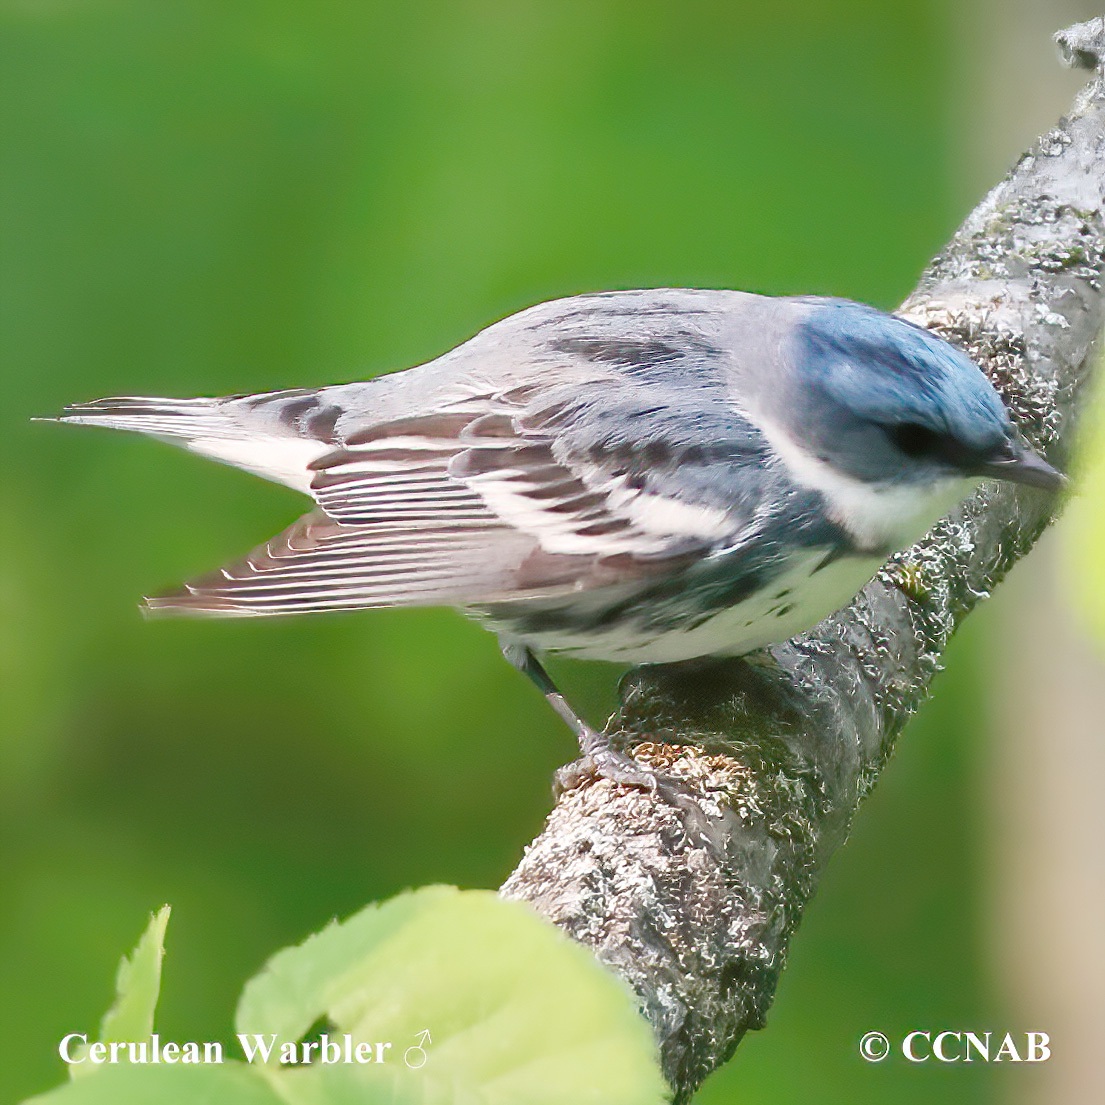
point(644, 476)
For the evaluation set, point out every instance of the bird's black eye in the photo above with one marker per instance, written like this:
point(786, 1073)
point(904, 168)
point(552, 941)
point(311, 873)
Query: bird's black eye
point(915, 440)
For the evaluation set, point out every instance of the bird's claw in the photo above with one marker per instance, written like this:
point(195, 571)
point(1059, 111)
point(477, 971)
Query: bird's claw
point(625, 771)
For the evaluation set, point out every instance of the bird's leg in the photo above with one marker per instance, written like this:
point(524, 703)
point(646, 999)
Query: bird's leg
point(599, 756)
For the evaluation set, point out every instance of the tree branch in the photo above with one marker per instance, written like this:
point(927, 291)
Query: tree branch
point(780, 750)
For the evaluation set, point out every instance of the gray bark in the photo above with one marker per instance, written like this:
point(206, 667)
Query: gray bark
point(780, 749)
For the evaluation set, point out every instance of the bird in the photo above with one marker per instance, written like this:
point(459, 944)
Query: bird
point(644, 477)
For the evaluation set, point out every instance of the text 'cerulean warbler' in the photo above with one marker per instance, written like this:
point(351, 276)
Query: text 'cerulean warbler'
point(643, 477)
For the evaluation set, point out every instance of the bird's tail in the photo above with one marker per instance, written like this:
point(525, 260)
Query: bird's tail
point(171, 418)
point(274, 435)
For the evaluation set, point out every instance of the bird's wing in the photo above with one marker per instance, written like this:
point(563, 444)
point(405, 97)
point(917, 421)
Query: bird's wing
point(538, 490)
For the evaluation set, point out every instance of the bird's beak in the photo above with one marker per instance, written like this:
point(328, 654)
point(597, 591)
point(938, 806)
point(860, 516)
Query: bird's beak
point(1024, 466)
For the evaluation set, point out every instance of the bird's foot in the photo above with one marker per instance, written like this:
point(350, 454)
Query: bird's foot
point(604, 762)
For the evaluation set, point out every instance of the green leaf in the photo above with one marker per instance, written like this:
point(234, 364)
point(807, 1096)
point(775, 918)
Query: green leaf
point(455, 998)
point(137, 985)
point(503, 1008)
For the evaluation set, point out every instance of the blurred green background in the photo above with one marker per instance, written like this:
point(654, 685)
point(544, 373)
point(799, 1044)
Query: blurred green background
point(201, 198)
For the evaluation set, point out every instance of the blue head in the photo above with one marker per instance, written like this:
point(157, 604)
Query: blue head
point(887, 402)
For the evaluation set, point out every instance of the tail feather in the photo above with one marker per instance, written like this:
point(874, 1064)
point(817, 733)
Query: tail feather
point(166, 418)
point(258, 433)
